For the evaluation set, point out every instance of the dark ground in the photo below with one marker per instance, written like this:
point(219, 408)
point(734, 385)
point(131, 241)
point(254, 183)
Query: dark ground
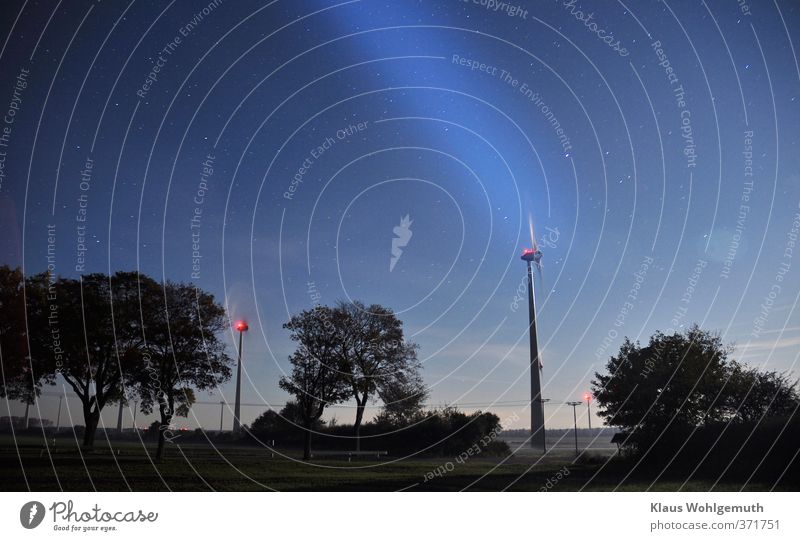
point(127, 466)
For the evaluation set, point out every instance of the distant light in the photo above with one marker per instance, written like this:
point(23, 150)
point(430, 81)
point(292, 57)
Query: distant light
point(241, 326)
point(587, 397)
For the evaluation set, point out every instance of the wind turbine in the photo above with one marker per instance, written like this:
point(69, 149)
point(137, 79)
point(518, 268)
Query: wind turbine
point(534, 255)
point(537, 254)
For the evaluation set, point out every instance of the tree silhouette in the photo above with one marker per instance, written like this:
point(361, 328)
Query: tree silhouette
point(103, 333)
point(87, 331)
point(22, 374)
point(182, 351)
point(403, 398)
point(315, 381)
point(685, 380)
point(375, 359)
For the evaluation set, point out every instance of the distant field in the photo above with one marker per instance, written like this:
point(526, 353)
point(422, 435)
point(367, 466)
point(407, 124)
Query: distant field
point(126, 466)
point(597, 445)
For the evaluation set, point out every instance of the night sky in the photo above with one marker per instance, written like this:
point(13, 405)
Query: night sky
point(268, 152)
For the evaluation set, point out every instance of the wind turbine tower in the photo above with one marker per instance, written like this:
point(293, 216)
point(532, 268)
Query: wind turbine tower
point(534, 255)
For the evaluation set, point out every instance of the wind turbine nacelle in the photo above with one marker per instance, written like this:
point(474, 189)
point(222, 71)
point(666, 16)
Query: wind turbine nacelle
point(530, 254)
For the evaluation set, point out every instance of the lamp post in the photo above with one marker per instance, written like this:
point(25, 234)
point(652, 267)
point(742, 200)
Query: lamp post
point(575, 422)
point(588, 398)
point(241, 326)
point(537, 405)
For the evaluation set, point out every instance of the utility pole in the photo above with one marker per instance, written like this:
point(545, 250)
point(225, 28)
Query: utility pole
point(575, 423)
point(58, 418)
point(119, 417)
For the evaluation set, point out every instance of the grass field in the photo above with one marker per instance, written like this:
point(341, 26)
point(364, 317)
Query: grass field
point(27, 465)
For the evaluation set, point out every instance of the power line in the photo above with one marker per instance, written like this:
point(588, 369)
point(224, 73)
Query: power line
point(501, 403)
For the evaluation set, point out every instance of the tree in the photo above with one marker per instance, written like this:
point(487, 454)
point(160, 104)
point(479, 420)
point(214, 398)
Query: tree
point(267, 424)
point(88, 331)
point(753, 394)
point(290, 412)
point(684, 380)
point(375, 359)
point(22, 374)
point(403, 398)
point(283, 426)
point(315, 379)
point(182, 350)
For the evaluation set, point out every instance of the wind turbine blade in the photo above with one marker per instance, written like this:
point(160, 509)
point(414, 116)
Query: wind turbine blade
point(534, 244)
point(541, 278)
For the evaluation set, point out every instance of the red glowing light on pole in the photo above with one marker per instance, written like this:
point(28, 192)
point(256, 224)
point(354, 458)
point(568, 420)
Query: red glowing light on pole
point(240, 326)
point(588, 398)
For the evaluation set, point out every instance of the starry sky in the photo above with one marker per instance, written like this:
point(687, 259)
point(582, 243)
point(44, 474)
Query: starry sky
point(267, 152)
